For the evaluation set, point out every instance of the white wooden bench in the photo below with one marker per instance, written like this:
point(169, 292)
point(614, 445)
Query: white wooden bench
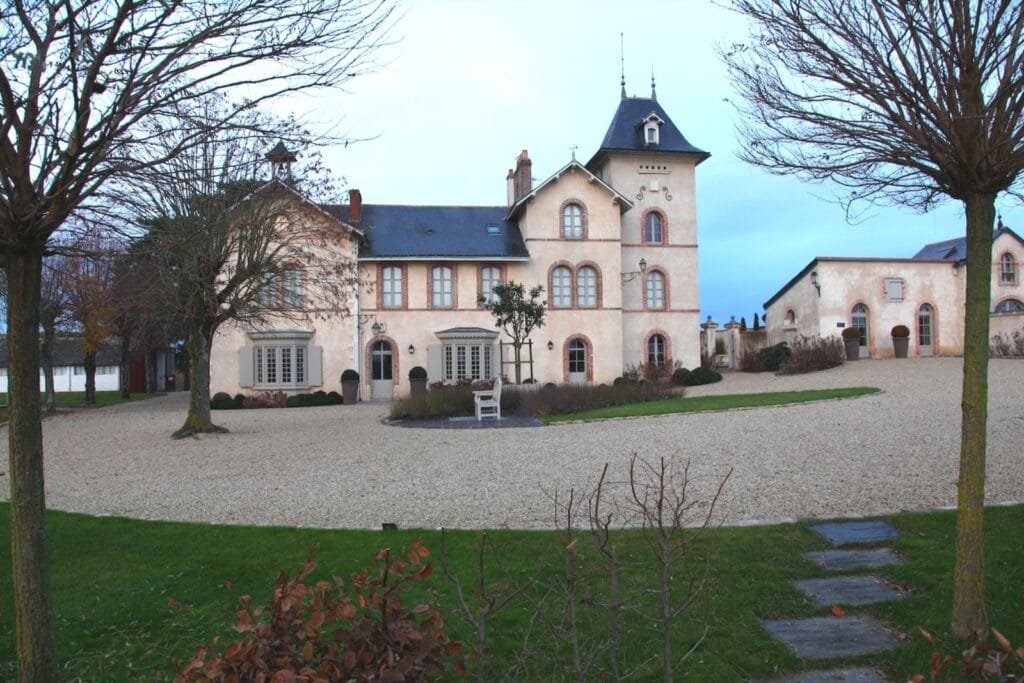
point(488, 403)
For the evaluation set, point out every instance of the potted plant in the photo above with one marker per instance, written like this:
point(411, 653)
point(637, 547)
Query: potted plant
point(900, 340)
point(418, 381)
point(349, 386)
point(851, 339)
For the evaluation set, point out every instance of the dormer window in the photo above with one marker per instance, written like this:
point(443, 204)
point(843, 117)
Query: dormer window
point(652, 129)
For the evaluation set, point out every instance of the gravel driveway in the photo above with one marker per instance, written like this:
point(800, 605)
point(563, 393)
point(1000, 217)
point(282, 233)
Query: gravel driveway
point(341, 467)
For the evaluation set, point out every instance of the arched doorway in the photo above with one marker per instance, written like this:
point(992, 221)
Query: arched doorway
point(924, 330)
point(577, 362)
point(382, 384)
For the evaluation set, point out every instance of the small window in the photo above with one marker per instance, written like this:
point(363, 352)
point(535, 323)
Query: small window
point(441, 287)
point(572, 222)
point(655, 291)
point(561, 287)
point(577, 357)
point(790, 319)
point(893, 289)
point(490, 276)
point(656, 351)
point(586, 287)
point(493, 229)
point(653, 233)
point(1009, 306)
point(391, 286)
point(1007, 270)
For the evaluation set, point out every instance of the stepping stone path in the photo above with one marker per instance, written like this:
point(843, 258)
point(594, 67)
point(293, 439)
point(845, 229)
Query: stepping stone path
point(829, 636)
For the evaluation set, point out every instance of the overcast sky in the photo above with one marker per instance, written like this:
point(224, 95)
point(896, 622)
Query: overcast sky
point(469, 84)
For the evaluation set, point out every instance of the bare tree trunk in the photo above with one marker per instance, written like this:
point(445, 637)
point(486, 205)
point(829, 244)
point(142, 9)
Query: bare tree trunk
point(90, 378)
point(198, 420)
point(124, 371)
point(29, 552)
point(150, 371)
point(970, 619)
point(49, 333)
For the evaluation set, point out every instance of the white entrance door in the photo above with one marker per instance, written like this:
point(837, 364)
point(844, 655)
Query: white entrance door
point(577, 362)
point(924, 330)
point(382, 385)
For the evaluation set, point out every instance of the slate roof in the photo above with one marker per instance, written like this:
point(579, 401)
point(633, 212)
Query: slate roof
point(625, 134)
point(956, 249)
point(434, 232)
point(68, 351)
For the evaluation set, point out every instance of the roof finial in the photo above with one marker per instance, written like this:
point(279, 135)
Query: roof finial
point(999, 224)
point(572, 148)
point(654, 93)
point(622, 63)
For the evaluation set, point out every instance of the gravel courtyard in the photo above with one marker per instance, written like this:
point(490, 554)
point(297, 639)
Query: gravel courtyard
point(341, 467)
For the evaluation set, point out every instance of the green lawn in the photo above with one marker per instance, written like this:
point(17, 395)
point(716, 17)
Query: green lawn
point(684, 404)
point(133, 597)
point(76, 399)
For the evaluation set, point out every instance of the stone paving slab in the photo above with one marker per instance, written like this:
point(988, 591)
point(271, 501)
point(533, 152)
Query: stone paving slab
point(839, 560)
point(825, 637)
point(862, 675)
point(846, 533)
point(848, 590)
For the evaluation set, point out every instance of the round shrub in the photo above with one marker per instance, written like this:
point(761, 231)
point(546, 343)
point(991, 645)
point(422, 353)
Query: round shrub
point(350, 375)
point(222, 401)
point(239, 400)
point(900, 331)
point(418, 372)
point(296, 401)
point(772, 357)
point(851, 333)
point(678, 376)
point(335, 398)
point(701, 375)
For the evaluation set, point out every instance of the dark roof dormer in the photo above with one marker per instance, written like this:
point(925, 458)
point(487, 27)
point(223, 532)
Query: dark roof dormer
point(634, 120)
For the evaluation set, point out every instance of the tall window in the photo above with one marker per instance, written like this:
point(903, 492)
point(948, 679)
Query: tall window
point(656, 351)
point(441, 287)
point(561, 287)
point(1007, 270)
point(653, 233)
point(489, 277)
point(283, 290)
point(586, 287)
point(577, 356)
point(859, 318)
point(391, 287)
point(924, 325)
point(572, 222)
point(655, 290)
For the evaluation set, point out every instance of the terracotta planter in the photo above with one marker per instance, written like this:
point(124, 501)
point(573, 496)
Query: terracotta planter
point(418, 387)
point(852, 349)
point(900, 345)
point(349, 391)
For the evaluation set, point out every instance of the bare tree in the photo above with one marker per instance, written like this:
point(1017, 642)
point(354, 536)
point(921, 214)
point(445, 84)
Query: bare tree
point(53, 315)
point(905, 102)
point(237, 250)
point(89, 285)
point(76, 81)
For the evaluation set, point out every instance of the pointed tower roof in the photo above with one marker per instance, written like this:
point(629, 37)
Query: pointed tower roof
point(626, 132)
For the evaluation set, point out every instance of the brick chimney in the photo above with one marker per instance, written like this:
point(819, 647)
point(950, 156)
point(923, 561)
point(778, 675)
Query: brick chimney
point(355, 206)
point(521, 178)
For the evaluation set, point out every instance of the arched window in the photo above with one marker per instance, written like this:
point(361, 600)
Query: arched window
point(924, 325)
point(441, 287)
point(489, 277)
point(859, 318)
point(653, 229)
point(656, 351)
point(790, 319)
point(572, 221)
point(391, 286)
point(1007, 270)
point(1009, 306)
point(586, 287)
point(561, 287)
point(655, 290)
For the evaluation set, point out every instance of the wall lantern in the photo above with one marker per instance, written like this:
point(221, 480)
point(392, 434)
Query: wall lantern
point(412, 349)
point(627, 277)
point(814, 281)
point(551, 345)
point(376, 328)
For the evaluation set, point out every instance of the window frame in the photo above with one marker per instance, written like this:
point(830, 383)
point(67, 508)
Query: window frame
point(567, 230)
point(652, 275)
point(1008, 270)
point(865, 328)
point(297, 343)
point(555, 294)
point(482, 291)
point(399, 301)
point(434, 280)
point(653, 339)
point(1009, 305)
point(592, 298)
point(662, 227)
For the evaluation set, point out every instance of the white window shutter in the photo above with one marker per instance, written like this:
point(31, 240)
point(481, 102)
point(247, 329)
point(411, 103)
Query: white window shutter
point(435, 371)
point(245, 366)
point(315, 375)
